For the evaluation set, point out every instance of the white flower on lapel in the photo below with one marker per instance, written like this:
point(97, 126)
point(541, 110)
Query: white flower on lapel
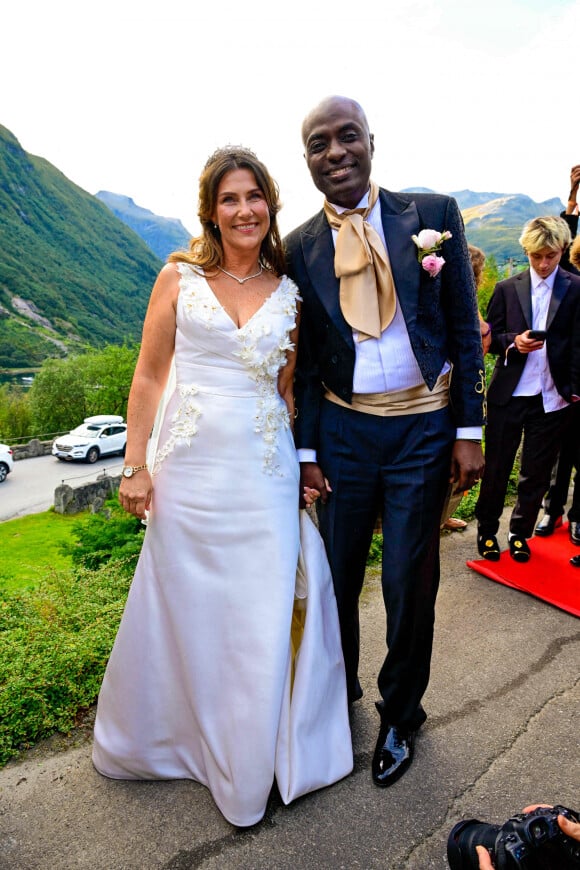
point(428, 243)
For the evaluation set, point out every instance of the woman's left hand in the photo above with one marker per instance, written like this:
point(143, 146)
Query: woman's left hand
point(310, 496)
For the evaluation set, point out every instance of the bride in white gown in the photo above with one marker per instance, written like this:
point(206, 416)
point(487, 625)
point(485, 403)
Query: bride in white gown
point(227, 667)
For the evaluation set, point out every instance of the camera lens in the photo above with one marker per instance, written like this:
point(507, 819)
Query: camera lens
point(463, 839)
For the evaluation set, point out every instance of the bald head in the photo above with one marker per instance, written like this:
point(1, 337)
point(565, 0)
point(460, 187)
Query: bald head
point(328, 108)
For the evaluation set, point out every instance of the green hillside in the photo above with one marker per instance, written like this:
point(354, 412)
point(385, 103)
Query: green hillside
point(494, 221)
point(71, 274)
point(496, 225)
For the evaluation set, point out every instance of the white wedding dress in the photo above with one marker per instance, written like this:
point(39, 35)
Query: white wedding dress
point(202, 682)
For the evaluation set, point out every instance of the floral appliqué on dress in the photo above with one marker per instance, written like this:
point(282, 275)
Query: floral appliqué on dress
point(271, 412)
point(262, 366)
point(184, 423)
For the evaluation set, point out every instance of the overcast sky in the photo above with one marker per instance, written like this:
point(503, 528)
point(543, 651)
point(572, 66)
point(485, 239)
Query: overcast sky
point(132, 96)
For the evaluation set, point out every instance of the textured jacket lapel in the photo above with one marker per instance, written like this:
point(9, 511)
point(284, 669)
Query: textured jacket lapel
point(318, 250)
point(523, 285)
point(561, 285)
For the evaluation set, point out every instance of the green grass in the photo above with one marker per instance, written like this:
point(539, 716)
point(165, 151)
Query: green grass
point(31, 548)
point(55, 640)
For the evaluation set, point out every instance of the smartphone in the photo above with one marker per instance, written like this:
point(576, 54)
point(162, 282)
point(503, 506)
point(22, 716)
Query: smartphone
point(537, 334)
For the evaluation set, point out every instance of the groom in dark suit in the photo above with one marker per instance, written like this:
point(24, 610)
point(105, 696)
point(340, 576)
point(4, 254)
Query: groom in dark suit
point(389, 393)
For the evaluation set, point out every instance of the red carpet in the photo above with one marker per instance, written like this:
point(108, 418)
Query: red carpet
point(548, 575)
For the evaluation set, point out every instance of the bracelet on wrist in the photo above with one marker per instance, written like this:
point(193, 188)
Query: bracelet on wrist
point(487, 332)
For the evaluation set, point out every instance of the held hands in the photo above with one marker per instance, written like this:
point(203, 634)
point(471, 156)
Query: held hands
point(313, 484)
point(135, 493)
point(467, 465)
point(524, 344)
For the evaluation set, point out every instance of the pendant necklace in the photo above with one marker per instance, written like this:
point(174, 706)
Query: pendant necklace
point(242, 280)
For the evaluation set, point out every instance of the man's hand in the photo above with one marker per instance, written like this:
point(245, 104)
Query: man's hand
point(574, 178)
point(467, 464)
point(572, 206)
point(312, 478)
point(524, 344)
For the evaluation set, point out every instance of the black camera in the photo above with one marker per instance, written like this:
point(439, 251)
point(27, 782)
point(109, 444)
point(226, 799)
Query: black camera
point(531, 841)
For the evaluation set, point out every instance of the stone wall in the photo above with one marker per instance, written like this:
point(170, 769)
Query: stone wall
point(32, 449)
point(87, 497)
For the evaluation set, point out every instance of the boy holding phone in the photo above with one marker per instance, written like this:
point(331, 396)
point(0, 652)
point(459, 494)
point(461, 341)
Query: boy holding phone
point(535, 326)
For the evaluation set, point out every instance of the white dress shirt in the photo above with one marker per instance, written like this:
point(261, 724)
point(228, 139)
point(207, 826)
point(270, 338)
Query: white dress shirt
point(536, 377)
point(386, 364)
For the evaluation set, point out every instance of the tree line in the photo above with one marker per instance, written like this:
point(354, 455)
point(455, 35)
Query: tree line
point(65, 391)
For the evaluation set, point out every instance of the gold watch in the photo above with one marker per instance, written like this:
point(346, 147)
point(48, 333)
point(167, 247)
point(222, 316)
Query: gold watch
point(130, 470)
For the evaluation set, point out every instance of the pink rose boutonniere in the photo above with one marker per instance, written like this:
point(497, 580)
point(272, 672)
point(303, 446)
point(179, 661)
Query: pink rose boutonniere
point(428, 243)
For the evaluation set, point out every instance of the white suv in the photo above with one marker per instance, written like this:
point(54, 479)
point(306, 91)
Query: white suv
point(98, 436)
point(6, 461)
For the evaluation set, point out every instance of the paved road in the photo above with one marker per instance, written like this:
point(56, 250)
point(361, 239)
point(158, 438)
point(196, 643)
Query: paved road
point(502, 732)
point(29, 488)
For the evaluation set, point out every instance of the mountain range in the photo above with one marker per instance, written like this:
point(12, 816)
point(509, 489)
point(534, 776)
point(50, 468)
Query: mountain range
point(162, 234)
point(76, 270)
point(494, 221)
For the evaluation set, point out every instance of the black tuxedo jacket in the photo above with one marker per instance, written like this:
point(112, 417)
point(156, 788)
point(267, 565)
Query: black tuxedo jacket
point(510, 313)
point(440, 313)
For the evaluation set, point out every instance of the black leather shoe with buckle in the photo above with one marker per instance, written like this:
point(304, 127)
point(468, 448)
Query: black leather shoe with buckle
point(488, 547)
point(547, 526)
point(519, 550)
point(393, 754)
point(574, 532)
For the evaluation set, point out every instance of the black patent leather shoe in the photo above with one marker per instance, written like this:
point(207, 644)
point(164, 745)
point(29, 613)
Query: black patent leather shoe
point(488, 547)
point(547, 526)
point(393, 755)
point(574, 532)
point(519, 550)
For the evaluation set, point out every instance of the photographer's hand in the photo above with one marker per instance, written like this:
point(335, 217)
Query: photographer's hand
point(484, 859)
point(571, 829)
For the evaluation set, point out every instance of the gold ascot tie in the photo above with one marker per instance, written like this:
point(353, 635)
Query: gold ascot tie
point(367, 291)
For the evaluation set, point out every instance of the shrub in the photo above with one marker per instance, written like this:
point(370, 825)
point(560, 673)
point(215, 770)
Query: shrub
point(55, 641)
point(99, 538)
point(376, 550)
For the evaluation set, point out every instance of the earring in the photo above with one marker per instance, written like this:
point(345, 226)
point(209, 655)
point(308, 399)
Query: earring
point(215, 226)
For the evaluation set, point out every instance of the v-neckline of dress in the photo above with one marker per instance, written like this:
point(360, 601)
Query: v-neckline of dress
point(256, 312)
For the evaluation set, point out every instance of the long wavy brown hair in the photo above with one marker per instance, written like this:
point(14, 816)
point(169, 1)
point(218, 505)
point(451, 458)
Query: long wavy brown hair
point(206, 251)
